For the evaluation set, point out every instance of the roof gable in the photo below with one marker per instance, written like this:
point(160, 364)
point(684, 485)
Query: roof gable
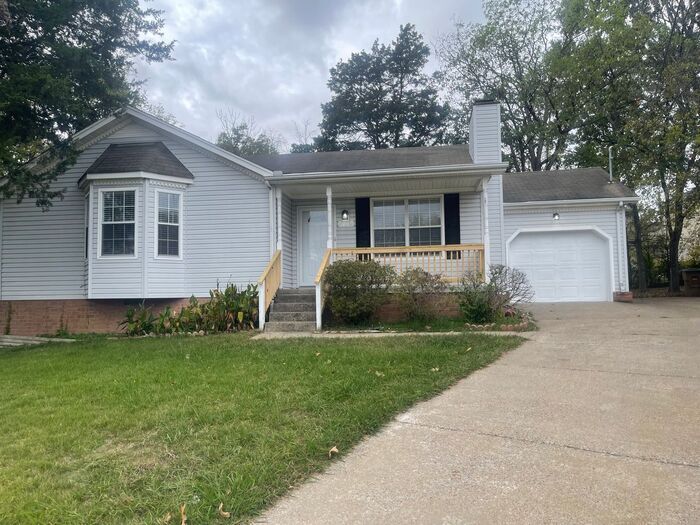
point(108, 125)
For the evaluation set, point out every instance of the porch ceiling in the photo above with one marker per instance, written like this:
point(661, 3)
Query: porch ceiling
point(364, 187)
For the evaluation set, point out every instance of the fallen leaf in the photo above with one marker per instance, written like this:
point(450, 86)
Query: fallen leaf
point(166, 519)
point(332, 451)
point(379, 374)
point(222, 512)
point(183, 516)
point(436, 369)
point(469, 349)
point(318, 354)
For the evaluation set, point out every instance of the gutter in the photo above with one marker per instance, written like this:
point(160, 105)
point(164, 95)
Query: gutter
point(354, 175)
point(571, 202)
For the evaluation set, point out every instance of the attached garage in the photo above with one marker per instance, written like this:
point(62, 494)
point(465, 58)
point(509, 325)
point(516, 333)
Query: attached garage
point(564, 265)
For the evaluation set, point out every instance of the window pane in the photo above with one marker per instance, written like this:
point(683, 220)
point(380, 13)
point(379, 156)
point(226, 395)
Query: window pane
point(424, 236)
point(162, 200)
point(394, 237)
point(388, 214)
point(424, 212)
point(168, 240)
point(117, 239)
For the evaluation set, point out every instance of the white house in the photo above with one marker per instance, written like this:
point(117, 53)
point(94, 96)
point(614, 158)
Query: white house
point(153, 212)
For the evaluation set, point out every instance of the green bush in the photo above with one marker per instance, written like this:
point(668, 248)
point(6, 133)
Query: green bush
point(420, 294)
point(486, 302)
point(475, 302)
point(356, 289)
point(227, 310)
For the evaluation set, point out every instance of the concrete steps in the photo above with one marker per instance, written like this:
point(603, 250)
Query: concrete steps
point(293, 310)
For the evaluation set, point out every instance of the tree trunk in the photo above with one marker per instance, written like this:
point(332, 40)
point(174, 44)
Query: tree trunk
point(641, 261)
point(674, 267)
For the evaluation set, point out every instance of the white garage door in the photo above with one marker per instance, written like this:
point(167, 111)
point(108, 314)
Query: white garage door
point(564, 265)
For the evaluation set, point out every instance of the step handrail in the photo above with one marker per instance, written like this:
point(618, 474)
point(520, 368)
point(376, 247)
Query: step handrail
point(268, 285)
point(318, 283)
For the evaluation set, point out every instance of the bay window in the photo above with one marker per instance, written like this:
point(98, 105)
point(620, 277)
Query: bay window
point(407, 222)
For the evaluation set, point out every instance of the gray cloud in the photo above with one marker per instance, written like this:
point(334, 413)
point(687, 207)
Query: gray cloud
point(270, 59)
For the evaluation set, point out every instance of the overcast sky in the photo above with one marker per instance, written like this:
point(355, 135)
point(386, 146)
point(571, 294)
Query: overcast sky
point(269, 59)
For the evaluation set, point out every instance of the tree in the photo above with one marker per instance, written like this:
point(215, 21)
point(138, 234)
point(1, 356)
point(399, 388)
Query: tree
point(630, 70)
point(242, 136)
point(506, 59)
point(382, 98)
point(305, 143)
point(64, 65)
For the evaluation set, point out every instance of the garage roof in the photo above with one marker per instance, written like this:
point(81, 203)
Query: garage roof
point(562, 185)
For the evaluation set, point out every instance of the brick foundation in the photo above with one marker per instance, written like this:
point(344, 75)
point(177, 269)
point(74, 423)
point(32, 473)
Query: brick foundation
point(623, 297)
point(74, 315)
point(390, 312)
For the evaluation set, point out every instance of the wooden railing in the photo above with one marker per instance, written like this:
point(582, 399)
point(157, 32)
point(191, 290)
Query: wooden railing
point(319, 284)
point(450, 261)
point(268, 284)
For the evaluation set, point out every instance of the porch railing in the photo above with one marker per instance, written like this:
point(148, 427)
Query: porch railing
point(451, 261)
point(268, 284)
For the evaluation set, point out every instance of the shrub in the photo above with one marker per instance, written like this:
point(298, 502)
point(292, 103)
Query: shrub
point(486, 302)
point(356, 289)
point(138, 321)
point(420, 294)
point(227, 310)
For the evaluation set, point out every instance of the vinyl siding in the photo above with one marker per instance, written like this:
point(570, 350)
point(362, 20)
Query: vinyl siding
point(485, 134)
point(470, 217)
point(225, 228)
point(603, 217)
point(494, 190)
point(43, 252)
point(288, 254)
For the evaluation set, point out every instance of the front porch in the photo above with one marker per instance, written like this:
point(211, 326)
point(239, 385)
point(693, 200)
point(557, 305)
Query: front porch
point(436, 222)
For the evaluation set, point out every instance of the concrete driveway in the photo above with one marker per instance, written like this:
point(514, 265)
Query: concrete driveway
point(596, 419)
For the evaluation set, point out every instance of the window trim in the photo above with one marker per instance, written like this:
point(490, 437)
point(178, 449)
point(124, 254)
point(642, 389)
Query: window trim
point(100, 220)
point(180, 225)
point(405, 216)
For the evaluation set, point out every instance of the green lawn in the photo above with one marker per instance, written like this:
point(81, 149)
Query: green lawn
point(123, 431)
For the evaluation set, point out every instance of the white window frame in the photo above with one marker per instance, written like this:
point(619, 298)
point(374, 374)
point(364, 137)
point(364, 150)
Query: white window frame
point(100, 221)
point(407, 240)
point(180, 225)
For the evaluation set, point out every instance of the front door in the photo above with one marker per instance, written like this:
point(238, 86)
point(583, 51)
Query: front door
point(313, 235)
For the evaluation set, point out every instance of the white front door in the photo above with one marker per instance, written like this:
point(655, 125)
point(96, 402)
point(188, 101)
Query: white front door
point(313, 236)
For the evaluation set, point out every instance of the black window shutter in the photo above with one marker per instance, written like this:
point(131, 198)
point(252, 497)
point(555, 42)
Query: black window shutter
point(362, 234)
point(452, 234)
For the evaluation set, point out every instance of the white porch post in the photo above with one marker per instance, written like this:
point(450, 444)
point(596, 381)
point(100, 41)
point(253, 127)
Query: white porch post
point(485, 226)
point(279, 218)
point(329, 204)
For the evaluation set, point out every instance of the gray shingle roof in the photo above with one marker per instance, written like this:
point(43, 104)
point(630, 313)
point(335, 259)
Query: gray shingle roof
point(376, 159)
point(580, 183)
point(153, 157)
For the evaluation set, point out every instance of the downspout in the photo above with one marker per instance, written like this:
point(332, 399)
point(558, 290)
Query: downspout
point(610, 165)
